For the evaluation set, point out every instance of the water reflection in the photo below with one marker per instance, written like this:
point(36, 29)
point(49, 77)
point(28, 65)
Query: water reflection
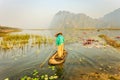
point(60, 71)
point(20, 44)
point(80, 59)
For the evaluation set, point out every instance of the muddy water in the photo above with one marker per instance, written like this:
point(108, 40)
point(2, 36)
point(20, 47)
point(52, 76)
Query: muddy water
point(16, 63)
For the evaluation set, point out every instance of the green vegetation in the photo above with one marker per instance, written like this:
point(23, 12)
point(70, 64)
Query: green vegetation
point(10, 41)
point(2, 34)
point(38, 39)
point(20, 40)
point(36, 75)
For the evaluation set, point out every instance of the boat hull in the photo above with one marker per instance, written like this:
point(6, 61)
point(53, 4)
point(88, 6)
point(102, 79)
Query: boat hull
point(54, 61)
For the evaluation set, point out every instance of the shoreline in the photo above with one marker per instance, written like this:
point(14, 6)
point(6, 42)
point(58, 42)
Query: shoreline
point(5, 32)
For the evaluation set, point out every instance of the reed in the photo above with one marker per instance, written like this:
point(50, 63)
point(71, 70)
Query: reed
point(10, 41)
point(37, 39)
point(19, 40)
point(110, 41)
point(2, 34)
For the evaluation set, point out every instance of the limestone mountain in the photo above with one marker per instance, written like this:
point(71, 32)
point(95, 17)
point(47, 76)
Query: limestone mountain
point(64, 19)
point(112, 19)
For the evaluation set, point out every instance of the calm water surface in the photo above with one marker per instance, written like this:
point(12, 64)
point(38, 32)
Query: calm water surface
point(16, 63)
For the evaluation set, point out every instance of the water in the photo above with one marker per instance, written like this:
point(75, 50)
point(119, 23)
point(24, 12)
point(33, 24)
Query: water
point(16, 63)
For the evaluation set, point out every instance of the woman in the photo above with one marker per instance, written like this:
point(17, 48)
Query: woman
point(60, 45)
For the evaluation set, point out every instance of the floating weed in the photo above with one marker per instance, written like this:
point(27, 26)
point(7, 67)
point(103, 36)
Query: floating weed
point(6, 79)
point(110, 41)
point(29, 78)
point(49, 66)
point(46, 77)
point(24, 78)
point(42, 76)
point(35, 72)
point(52, 67)
point(53, 77)
point(36, 76)
point(20, 40)
point(34, 79)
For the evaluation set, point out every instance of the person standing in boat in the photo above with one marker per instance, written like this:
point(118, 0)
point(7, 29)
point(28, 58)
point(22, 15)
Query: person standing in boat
point(60, 44)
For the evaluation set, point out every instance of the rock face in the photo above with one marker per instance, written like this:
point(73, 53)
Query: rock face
point(65, 19)
point(113, 18)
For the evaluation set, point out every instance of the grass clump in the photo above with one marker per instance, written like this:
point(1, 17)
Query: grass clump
point(19, 40)
point(110, 41)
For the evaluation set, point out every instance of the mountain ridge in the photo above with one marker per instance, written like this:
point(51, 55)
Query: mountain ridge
point(63, 19)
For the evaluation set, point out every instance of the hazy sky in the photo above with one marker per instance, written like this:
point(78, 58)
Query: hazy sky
point(39, 13)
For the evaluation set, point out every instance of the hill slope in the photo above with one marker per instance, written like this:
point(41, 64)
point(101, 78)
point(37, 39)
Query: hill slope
point(64, 19)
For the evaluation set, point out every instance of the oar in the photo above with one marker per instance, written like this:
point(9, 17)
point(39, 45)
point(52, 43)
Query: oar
point(41, 65)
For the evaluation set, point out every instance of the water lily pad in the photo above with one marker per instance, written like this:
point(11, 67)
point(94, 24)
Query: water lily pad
point(6, 79)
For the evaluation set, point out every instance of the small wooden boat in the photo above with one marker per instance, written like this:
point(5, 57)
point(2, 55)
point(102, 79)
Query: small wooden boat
point(54, 61)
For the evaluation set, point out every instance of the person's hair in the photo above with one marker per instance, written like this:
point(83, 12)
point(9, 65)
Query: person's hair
point(60, 33)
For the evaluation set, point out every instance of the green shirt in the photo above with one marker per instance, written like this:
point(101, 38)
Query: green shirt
point(59, 40)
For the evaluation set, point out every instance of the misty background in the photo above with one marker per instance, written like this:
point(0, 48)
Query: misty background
point(39, 13)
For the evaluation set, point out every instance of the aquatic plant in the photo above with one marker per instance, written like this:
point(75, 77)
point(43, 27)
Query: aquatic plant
point(19, 40)
point(6, 79)
point(110, 41)
point(36, 75)
point(38, 39)
point(3, 34)
point(13, 40)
